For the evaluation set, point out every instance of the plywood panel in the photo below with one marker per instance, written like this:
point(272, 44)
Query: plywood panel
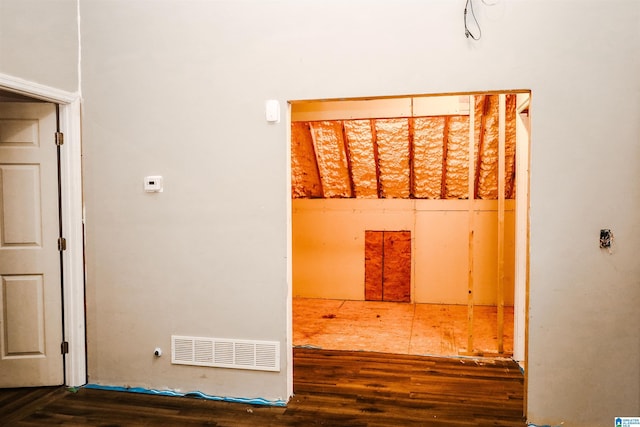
point(486, 255)
point(20, 223)
point(22, 316)
point(396, 275)
point(441, 256)
point(373, 265)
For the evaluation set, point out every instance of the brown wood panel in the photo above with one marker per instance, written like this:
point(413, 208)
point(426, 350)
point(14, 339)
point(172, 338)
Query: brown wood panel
point(396, 273)
point(331, 388)
point(387, 266)
point(373, 258)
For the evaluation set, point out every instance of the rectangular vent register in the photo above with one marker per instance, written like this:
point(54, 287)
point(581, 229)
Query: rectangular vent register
point(225, 353)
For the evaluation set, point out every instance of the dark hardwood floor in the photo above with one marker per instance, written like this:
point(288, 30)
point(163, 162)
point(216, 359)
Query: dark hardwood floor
point(332, 388)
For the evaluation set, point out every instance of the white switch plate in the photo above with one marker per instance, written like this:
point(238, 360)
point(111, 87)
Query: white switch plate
point(153, 184)
point(272, 111)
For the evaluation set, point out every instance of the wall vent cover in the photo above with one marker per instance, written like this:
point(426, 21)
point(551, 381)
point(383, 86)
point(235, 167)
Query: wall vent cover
point(225, 353)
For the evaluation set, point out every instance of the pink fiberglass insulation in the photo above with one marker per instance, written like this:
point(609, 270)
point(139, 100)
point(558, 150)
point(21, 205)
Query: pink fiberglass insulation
point(510, 146)
point(305, 181)
point(457, 162)
point(488, 165)
point(392, 136)
point(428, 137)
point(363, 160)
point(331, 158)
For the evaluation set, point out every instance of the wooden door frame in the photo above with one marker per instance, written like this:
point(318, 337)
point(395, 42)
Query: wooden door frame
point(75, 368)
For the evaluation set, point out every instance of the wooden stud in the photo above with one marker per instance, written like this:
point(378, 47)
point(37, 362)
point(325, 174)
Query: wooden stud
point(471, 192)
point(527, 284)
point(374, 142)
point(445, 146)
point(412, 175)
point(501, 202)
point(347, 154)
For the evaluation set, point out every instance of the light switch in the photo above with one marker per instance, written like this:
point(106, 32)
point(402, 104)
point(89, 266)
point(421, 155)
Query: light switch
point(153, 184)
point(272, 110)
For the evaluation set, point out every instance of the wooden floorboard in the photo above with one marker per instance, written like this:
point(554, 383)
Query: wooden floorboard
point(332, 388)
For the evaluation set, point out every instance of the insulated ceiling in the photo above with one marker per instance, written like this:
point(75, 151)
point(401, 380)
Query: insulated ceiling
point(422, 157)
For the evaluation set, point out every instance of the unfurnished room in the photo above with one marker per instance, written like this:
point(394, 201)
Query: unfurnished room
point(339, 212)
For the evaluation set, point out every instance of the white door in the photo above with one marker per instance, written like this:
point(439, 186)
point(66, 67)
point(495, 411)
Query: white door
point(30, 285)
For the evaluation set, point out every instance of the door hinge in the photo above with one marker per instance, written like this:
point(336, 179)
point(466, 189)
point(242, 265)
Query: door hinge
point(59, 138)
point(62, 244)
point(64, 347)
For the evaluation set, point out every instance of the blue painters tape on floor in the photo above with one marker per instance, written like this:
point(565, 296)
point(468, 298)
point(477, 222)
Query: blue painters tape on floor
point(308, 346)
point(199, 394)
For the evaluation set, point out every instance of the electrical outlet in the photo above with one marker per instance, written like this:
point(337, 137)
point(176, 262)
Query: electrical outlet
point(605, 238)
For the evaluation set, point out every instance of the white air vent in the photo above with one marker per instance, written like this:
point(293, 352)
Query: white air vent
point(225, 353)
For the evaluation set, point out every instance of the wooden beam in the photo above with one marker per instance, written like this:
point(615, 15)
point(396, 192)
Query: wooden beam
point(347, 154)
point(501, 195)
point(470, 194)
point(521, 244)
point(374, 142)
point(412, 175)
point(445, 146)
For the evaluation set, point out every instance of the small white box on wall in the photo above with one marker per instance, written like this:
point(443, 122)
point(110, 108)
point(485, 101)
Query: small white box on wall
point(153, 184)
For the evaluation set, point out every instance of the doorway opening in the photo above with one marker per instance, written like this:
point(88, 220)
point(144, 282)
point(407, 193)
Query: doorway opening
point(449, 174)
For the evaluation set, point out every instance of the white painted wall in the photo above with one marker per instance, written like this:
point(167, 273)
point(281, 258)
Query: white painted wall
point(39, 41)
point(178, 88)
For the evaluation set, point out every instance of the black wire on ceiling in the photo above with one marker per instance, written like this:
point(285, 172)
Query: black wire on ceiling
point(467, 32)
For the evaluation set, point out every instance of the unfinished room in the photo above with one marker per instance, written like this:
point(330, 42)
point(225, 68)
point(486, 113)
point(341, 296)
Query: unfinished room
point(409, 224)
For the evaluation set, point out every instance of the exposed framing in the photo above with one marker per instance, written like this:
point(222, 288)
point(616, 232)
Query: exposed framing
point(405, 108)
point(501, 191)
point(72, 219)
point(471, 213)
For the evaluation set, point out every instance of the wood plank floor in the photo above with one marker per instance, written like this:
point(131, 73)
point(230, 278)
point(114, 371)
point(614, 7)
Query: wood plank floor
point(332, 388)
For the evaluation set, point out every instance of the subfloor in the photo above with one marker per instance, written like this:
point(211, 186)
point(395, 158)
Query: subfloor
point(401, 328)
